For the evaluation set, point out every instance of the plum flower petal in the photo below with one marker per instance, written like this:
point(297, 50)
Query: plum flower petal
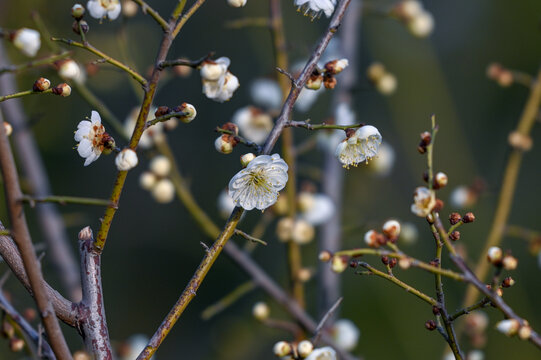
point(257, 185)
point(358, 147)
point(92, 138)
point(314, 8)
point(99, 9)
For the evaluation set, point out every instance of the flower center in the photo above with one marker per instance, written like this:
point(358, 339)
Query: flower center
point(259, 180)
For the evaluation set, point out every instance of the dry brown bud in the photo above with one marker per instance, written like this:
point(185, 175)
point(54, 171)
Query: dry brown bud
point(430, 325)
point(329, 81)
point(455, 235)
point(30, 314)
point(392, 262)
point(161, 111)
point(455, 218)
point(439, 205)
point(468, 218)
point(435, 310)
point(508, 282)
point(426, 138)
point(385, 260)
point(84, 27)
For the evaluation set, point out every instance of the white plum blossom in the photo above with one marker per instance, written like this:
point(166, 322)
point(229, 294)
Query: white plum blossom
point(99, 9)
point(254, 124)
point(314, 8)
point(257, 185)
point(126, 160)
point(359, 146)
point(164, 191)
point(345, 334)
point(266, 93)
point(424, 201)
point(92, 139)
point(27, 40)
point(324, 353)
point(218, 82)
point(236, 3)
point(320, 210)
point(69, 69)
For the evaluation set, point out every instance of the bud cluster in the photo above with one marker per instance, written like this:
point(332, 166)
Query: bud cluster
point(419, 22)
point(225, 143)
point(157, 181)
point(384, 81)
point(326, 76)
point(498, 73)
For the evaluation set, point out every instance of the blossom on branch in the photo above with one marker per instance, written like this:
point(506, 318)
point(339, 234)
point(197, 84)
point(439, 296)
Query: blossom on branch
point(218, 82)
point(424, 201)
point(257, 185)
point(99, 9)
point(324, 353)
point(314, 8)
point(359, 146)
point(92, 138)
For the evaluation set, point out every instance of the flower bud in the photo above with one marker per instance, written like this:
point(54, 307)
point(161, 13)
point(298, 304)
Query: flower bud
point(79, 26)
point(41, 84)
point(468, 218)
point(85, 233)
point(404, 263)
point(212, 71)
point(408, 233)
point(261, 311)
point(509, 262)
point(282, 348)
point(371, 238)
point(324, 256)
point(62, 90)
point(304, 274)
point(339, 263)
point(329, 81)
point(189, 112)
point(164, 191)
point(236, 3)
point(391, 229)
point(430, 325)
point(314, 81)
point(77, 11)
point(421, 25)
point(68, 69)
point(454, 218)
point(246, 159)
point(160, 165)
point(147, 180)
point(303, 232)
point(8, 128)
point(387, 84)
point(505, 78)
point(126, 160)
point(440, 180)
point(520, 141)
point(508, 282)
point(336, 66)
point(224, 144)
point(455, 235)
point(494, 255)
point(26, 40)
point(476, 323)
point(284, 229)
point(16, 344)
point(508, 327)
point(375, 72)
point(525, 332)
point(129, 8)
point(304, 348)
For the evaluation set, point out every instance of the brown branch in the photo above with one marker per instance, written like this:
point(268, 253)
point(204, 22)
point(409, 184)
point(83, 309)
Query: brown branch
point(94, 326)
point(21, 236)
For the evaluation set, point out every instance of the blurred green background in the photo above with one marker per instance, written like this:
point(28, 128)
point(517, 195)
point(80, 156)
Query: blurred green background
point(153, 249)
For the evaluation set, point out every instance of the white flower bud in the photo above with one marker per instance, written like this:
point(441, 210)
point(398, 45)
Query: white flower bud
point(476, 323)
point(164, 191)
point(304, 348)
point(462, 197)
point(525, 332)
point(421, 25)
point(147, 180)
point(340, 65)
point(126, 160)
point(387, 84)
point(371, 238)
point(160, 165)
point(375, 72)
point(236, 3)
point(304, 275)
point(282, 348)
point(494, 254)
point(69, 69)
point(404, 263)
point(410, 8)
point(223, 145)
point(77, 11)
point(391, 229)
point(85, 233)
point(8, 128)
point(303, 232)
point(212, 72)
point(441, 179)
point(27, 40)
point(41, 84)
point(324, 256)
point(345, 334)
point(284, 229)
point(190, 113)
point(246, 158)
point(63, 90)
point(339, 264)
point(261, 311)
point(129, 8)
point(508, 327)
point(509, 262)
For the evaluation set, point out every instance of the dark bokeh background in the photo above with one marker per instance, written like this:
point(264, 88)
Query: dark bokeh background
point(153, 249)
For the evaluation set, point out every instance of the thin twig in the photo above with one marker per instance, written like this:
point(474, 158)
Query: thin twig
point(147, 9)
point(24, 93)
point(250, 238)
point(324, 320)
point(63, 200)
point(35, 63)
point(240, 139)
point(185, 62)
point(308, 126)
point(228, 300)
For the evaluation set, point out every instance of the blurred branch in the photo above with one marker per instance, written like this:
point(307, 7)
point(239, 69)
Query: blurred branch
point(35, 63)
point(106, 57)
point(146, 9)
point(249, 237)
point(507, 192)
point(63, 200)
point(228, 300)
point(43, 346)
point(308, 126)
point(248, 21)
point(21, 235)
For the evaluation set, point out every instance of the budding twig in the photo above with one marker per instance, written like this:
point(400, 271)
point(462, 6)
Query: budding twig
point(307, 125)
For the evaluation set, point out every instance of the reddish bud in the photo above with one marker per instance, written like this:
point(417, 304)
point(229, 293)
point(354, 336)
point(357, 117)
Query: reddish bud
point(430, 325)
point(454, 218)
point(468, 218)
point(385, 260)
point(508, 282)
point(455, 235)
